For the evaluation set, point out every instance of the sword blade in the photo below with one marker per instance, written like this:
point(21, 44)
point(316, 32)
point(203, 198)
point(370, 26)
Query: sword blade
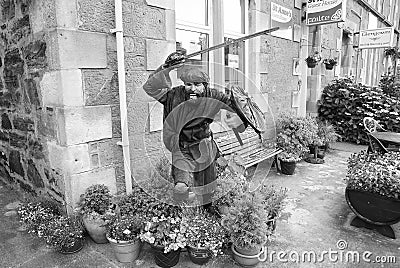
point(228, 43)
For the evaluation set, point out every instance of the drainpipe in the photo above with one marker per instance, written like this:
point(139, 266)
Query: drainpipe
point(122, 94)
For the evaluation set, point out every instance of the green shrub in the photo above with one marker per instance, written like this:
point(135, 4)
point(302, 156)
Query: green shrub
point(344, 104)
point(295, 134)
point(375, 173)
point(389, 86)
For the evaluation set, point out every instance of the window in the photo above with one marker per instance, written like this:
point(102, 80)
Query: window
point(234, 25)
point(198, 22)
point(193, 41)
point(192, 11)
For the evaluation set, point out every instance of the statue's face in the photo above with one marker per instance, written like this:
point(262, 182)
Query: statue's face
point(194, 89)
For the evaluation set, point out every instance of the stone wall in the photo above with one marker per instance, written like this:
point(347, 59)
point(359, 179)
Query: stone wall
point(26, 125)
point(59, 99)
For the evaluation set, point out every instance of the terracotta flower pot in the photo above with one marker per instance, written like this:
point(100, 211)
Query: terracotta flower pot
point(125, 251)
point(96, 229)
point(247, 257)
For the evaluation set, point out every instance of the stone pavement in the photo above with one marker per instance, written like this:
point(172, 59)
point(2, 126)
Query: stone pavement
point(316, 220)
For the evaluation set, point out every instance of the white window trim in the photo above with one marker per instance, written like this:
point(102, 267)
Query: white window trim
point(210, 29)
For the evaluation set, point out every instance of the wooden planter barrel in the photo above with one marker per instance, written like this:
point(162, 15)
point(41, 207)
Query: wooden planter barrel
point(373, 211)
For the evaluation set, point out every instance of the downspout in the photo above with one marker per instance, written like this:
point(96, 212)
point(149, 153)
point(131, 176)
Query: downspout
point(122, 94)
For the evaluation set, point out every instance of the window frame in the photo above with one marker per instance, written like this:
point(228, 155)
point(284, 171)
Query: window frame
point(213, 9)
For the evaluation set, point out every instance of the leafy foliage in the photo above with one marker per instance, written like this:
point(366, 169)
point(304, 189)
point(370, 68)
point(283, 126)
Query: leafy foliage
point(43, 219)
point(295, 134)
point(165, 231)
point(63, 232)
point(344, 104)
point(124, 228)
point(246, 221)
point(375, 173)
point(332, 62)
point(36, 216)
point(326, 133)
point(95, 201)
point(389, 86)
point(203, 230)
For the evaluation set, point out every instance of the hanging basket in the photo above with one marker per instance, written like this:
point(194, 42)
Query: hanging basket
point(311, 64)
point(329, 66)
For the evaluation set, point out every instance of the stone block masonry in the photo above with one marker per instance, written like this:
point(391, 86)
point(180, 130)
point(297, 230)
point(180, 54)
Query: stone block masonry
point(57, 92)
point(25, 125)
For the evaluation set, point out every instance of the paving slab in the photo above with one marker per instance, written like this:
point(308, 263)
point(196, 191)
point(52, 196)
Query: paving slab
point(313, 231)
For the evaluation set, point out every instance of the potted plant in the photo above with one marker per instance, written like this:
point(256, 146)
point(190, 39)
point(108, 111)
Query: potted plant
point(43, 218)
point(313, 60)
point(329, 63)
point(123, 234)
point(229, 185)
point(95, 206)
point(272, 199)
point(373, 190)
point(295, 134)
point(36, 214)
point(247, 228)
point(164, 232)
point(326, 135)
point(204, 234)
point(64, 234)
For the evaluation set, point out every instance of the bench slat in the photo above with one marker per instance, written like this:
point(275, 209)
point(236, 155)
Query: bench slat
point(252, 151)
point(246, 146)
point(232, 140)
point(272, 154)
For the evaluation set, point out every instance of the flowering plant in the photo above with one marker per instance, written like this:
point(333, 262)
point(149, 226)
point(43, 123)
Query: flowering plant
point(203, 230)
point(125, 228)
point(62, 232)
point(36, 215)
point(330, 61)
point(95, 202)
point(164, 231)
point(375, 173)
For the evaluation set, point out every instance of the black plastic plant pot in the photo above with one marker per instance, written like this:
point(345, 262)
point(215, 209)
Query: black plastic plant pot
point(78, 245)
point(329, 66)
point(311, 64)
point(375, 211)
point(165, 260)
point(199, 256)
point(288, 168)
point(321, 151)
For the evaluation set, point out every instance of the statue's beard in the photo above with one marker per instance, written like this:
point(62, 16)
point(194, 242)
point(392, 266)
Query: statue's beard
point(195, 94)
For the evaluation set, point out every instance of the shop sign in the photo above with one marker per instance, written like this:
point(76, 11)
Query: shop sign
point(324, 11)
point(233, 61)
point(282, 17)
point(374, 38)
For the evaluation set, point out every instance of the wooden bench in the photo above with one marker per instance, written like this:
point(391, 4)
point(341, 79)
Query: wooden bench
point(251, 152)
